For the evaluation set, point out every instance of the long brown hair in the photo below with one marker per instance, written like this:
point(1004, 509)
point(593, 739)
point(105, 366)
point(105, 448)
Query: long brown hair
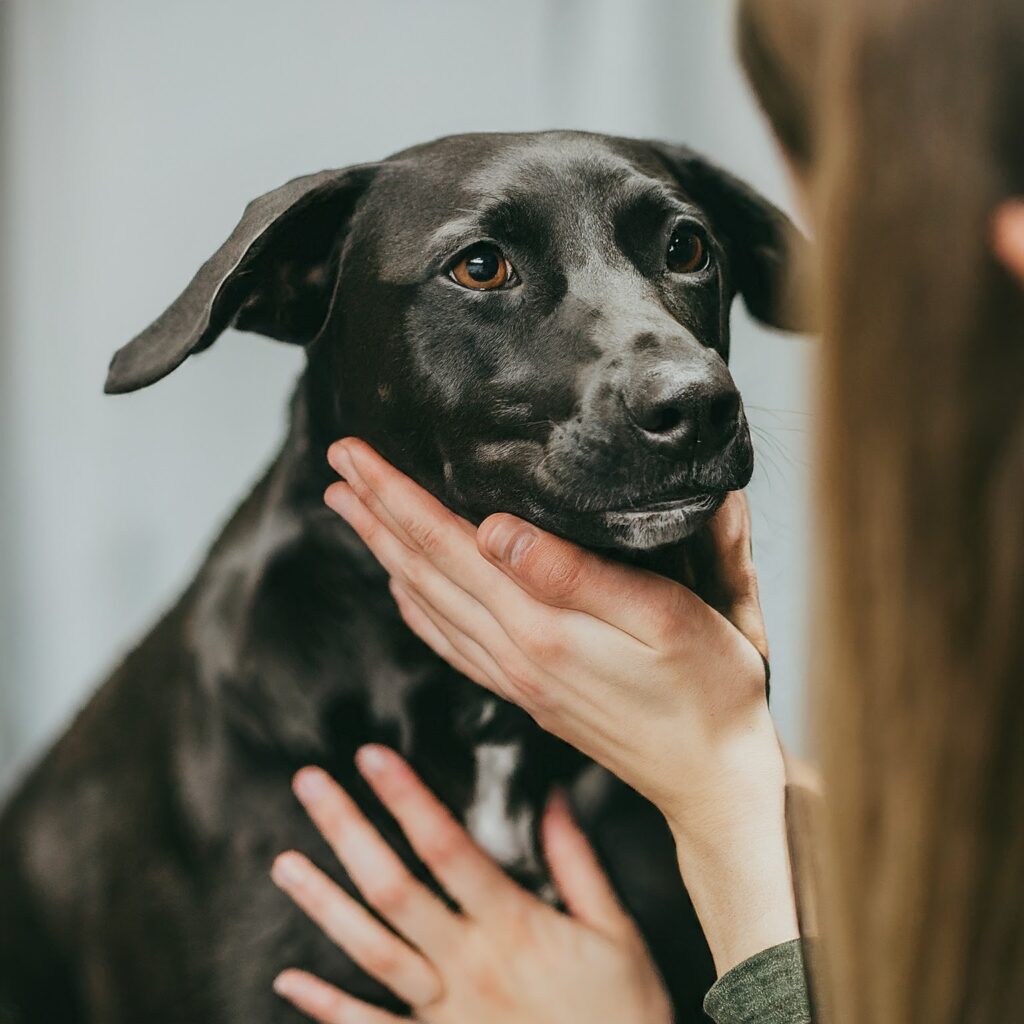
point(914, 118)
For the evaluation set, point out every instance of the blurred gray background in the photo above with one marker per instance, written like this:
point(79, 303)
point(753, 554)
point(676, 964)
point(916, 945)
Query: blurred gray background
point(134, 131)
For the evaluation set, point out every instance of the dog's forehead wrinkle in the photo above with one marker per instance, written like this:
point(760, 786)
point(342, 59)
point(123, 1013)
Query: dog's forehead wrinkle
point(573, 183)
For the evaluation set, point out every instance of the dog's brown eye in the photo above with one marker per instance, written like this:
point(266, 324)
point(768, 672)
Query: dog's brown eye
point(687, 252)
point(482, 268)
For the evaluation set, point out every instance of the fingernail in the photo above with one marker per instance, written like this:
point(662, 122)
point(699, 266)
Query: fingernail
point(510, 542)
point(371, 760)
point(285, 870)
point(310, 783)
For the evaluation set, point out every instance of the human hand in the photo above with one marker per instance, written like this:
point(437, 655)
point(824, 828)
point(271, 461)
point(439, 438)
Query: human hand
point(507, 958)
point(628, 666)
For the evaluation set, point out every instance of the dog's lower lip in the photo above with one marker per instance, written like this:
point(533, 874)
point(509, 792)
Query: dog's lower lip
point(678, 503)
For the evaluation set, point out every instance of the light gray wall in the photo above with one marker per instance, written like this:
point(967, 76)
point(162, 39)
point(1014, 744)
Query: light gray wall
point(134, 132)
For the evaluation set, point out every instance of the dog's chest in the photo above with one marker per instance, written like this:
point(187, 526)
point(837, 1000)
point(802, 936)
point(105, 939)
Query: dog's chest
point(501, 815)
point(499, 826)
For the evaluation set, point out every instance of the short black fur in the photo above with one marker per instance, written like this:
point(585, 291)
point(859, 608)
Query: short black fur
point(134, 859)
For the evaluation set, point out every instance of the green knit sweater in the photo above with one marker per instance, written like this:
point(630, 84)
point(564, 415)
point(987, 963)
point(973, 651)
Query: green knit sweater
point(769, 988)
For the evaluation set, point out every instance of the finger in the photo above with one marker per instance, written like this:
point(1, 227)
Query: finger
point(349, 925)
point(462, 652)
point(563, 575)
point(424, 626)
point(580, 879)
point(373, 866)
point(419, 575)
point(468, 874)
point(414, 516)
point(521, 602)
point(735, 576)
point(327, 1004)
point(516, 657)
point(408, 510)
point(424, 527)
point(1008, 236)
point(525, 675)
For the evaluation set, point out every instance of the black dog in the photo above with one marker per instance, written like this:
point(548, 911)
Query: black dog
point(536, 324)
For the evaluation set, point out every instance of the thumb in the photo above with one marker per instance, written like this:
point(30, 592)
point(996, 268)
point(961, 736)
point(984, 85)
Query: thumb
point(580, 879)
point(563, 575)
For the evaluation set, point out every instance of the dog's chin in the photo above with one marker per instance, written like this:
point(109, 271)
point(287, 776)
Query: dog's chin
point(642, 527)
point(627, 526)
point(647, 527)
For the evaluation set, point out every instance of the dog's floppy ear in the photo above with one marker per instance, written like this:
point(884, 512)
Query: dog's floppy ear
point(765, 248)
point(274, 275)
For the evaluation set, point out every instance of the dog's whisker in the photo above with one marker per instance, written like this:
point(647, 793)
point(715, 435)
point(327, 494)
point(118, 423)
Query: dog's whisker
point(766, 436)
point(778, 411)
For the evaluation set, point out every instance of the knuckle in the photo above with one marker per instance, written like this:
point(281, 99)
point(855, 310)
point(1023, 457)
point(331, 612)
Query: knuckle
point(546, 721)
point(541, 644)
point(424, 535)
point(527, 689)
point(486, 981)
point(379, 959)
point(414, 572)
point(670, 619)
point(388, 893)
point(442, 847)
point(520, 683)
point(667, 630)
point(423, 531)
point(560, 576)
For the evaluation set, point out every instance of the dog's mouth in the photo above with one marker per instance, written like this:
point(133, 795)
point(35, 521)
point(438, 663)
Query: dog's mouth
point(642, 523)
point(607, 506)
point(650, 524)
point(690, 504)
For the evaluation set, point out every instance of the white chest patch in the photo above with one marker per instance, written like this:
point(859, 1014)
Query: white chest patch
point(506, 835)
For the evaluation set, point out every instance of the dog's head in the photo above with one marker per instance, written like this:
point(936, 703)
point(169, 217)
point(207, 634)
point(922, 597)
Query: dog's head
point(536, 324)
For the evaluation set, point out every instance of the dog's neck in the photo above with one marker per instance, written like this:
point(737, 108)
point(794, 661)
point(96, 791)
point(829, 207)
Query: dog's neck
point(302, 653)
point(279, 583)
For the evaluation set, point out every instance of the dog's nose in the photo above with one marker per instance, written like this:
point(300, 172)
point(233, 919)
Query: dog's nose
point(675, 419)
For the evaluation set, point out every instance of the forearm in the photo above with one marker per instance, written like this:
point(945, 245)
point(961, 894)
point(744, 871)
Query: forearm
point(733, 853)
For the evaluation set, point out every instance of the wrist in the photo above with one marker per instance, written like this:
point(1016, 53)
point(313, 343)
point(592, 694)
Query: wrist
point(732, 778)
point(732, 849)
